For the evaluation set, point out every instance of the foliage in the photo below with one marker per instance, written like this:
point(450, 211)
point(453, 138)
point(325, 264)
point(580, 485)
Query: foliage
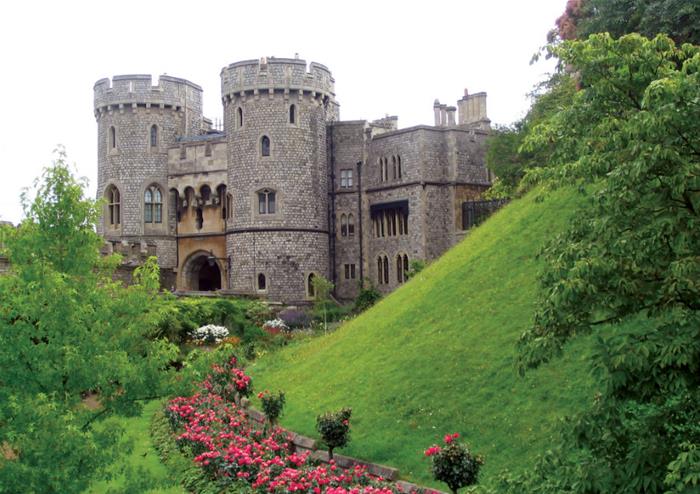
point(258, 312)
point(65, 329)
point(239, 457)
point(322, 296)
point(454, 464)
point(679, 19)
point(437, 354)
point(368, 296)
point(272, 405)
point(505, 155)
point(417, 266)
point(334, 428)
point(179, 317)
point(632, 256)
point(295, 318)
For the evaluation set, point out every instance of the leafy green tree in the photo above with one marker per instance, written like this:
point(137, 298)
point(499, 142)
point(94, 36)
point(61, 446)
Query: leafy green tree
point(322, 296)
point(679, 19)
point(67, 329)
point(631, 139)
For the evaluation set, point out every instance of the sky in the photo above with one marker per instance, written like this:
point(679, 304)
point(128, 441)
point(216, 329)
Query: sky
point(387, 58)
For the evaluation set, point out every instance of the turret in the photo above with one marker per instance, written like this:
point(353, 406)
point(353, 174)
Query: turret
point(275, 116)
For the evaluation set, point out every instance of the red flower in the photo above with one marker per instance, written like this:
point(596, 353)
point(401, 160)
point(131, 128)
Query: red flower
point(451, 437)
point(431, 451)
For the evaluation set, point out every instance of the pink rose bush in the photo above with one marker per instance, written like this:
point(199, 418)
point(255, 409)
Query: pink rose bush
point(454, 464)
point(230, 447)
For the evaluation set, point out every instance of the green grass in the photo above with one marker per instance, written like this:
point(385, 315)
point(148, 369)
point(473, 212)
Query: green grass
point(437, 356)
point(143, 456)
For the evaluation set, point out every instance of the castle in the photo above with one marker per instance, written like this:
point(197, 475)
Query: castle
point(286, 191)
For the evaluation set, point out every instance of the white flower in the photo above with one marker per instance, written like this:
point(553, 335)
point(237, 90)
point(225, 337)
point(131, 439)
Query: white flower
point(210, 332)
point(276, 324)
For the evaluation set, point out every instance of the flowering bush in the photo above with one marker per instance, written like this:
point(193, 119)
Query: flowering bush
point(275, 326)
point(209, 334)
point(228, 381)
point(454, 464)
point(229, 448)
point(272, 405)
point(334, 428)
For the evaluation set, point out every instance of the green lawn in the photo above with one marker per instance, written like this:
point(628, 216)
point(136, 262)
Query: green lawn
point(437, 356)
point(143, 456)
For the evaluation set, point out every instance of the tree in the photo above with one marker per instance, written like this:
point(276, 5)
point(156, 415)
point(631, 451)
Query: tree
point(678, 19)
point(630, 260)
point(65, 330)
point(334, 428)
point(322, 296)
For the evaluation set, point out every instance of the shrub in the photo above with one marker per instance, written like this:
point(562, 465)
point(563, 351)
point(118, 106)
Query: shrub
point(454, 464)
point(416, 267)
point(334, 428)
point(272, 405)
point(368, 296)
point(258, 313)
point(295, 318)
point(275, 326)
point(209, 334)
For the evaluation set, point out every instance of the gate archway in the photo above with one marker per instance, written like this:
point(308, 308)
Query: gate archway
point(202, 273)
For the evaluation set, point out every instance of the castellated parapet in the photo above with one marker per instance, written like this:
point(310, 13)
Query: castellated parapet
point(275, 117)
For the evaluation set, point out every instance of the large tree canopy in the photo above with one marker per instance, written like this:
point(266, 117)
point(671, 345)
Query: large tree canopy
point(630, 263)
point(65, 330)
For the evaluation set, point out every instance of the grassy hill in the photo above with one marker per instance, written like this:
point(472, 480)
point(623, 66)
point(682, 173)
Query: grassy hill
point(437, 356)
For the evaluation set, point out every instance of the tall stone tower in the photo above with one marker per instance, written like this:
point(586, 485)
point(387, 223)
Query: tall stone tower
point(275, 116)
point(137, 122)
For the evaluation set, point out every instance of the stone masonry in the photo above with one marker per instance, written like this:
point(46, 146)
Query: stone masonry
point(285, 191)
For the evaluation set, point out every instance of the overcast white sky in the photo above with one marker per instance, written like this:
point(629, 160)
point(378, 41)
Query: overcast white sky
point(387, 57)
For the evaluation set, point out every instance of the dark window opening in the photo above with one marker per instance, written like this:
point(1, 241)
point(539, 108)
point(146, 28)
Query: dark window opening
point(154, 136)
point(209, 276)
point(266, 201)
point(343, 226)
point(205, 192)
point(262, 282)
point(292, 114)
point(310, 286)
point(200, 219)
point(265, 146)
point(112, 138)
point(240, 117)
point(351, 225)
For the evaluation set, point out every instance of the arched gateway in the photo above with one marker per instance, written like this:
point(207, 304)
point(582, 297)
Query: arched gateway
point(202, 272)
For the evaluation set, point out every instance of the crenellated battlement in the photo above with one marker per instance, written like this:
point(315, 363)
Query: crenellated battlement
point(138, 89)
point(276, 74)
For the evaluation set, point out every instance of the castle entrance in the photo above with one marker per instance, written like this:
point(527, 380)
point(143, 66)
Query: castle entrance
point(202, 273)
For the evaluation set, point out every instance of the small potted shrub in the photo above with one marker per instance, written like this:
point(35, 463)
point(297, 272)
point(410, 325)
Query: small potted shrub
point(334, 428)
point(454, 464)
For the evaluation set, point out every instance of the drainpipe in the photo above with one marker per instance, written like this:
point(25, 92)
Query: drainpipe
point(359, 216)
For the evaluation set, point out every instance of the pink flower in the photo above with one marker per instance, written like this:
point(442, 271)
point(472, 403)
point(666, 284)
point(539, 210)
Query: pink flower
point(451, 437)
point(431, 451)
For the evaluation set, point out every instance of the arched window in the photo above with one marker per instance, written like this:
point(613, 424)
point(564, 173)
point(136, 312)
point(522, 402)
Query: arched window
point(386, 270)
point(351, 225)
point(380, 275)
point(114, 205)
point(292, 114)
point(399, 268)
point(221, 194)
point(153, 205)
point(310, 290)
point(154, 136)
point(205, 192)
point(393, 168)
point(343, 225)
point(266, 201)
point(239, 116)
point(398, 163)
point(262, 282)
point(199, 219)
point(112, 138)
point(405, 265)
point(265, 146)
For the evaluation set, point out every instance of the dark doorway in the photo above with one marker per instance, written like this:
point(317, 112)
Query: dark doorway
point(209, 276)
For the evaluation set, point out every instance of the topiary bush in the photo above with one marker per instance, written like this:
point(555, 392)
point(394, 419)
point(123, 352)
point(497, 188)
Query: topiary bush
point(272, 405)
point(454, 464)
point(334, 428)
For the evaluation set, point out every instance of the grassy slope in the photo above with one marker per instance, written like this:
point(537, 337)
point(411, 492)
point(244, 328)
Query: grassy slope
point(437, 356)
point(143, 455)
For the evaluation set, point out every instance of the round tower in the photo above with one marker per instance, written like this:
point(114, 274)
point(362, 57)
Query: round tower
point(275, 116)
point(136, 123)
